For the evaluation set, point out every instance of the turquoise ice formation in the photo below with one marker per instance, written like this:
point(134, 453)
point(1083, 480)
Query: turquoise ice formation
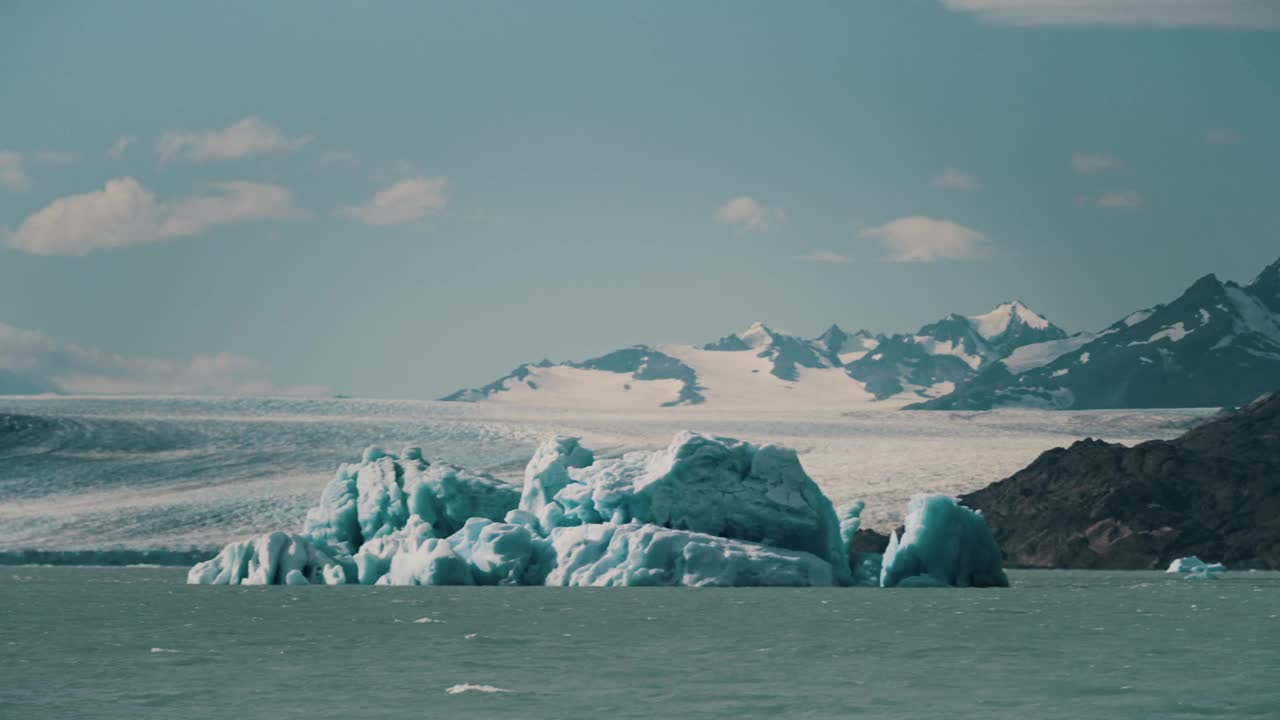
point(704, 511)
point(1193, 568)
point(943, 544)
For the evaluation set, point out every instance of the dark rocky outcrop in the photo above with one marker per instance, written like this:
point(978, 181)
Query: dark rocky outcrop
point(1214, 493)
point(867, 540)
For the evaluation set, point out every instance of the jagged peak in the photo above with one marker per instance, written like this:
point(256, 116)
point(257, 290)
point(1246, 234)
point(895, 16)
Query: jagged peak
point(997, 321)
point(1270, 276)
point(1272, 269)
point(1209, 280)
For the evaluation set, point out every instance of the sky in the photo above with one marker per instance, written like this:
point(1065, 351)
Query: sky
point(402, 199)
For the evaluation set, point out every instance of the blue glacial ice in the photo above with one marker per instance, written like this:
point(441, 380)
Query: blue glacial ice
point(379, 495)
point(275, 558)
point(943, 544)
point(704, 511)
point(1193, 568)
point(632, 554)
point(705, 484)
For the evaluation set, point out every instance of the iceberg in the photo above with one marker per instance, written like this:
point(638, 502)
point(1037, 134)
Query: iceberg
point(275, 558)
point(378, 496)
point(609, 554)
point(502, 553)
point(703, 484)
point(705, 511)
point(943, 544)
point(1196, 569)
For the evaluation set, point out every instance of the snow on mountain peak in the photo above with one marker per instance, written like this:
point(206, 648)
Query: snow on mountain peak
point(996, 322)
point(758, 335)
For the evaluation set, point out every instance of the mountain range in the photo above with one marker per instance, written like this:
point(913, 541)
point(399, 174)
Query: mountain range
point(1217, 344)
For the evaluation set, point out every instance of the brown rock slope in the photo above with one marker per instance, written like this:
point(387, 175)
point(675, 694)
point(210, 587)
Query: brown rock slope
point(1214, 492)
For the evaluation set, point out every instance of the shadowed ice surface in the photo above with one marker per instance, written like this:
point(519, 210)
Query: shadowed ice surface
point(134, 642)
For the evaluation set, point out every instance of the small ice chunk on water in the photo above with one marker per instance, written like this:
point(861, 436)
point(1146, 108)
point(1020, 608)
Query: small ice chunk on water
point(1196, 569)
point(468, 687)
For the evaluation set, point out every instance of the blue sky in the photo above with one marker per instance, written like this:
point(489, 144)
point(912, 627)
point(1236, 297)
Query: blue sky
point(400, 199)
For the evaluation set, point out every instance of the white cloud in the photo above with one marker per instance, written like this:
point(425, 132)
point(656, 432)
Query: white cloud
point(822, 256)
point(1123, 200)
point(747, 215)
point(1095, 163)
point(32, 361)
point(1239, 14)
point(1222, 136)
point(955, 180)
point(923, 239)
point(405, 201)
point(126, 213)
point(13, 176)
point(118, 148)
point(244, 138)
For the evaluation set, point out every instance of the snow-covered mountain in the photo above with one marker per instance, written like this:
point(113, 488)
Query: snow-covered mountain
point(763, 368)
point(1217, 344)
point(951, 350)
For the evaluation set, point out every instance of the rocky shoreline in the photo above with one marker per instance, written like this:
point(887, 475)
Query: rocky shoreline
point(1213, 492)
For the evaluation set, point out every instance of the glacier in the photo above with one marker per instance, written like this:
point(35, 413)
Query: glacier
point(704, 511)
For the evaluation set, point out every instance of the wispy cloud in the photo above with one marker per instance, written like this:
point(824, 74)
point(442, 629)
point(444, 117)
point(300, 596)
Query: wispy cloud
point(125, 213)
point(1222, 136)
point(244, 138)
point(822, 256)
point(747, 215)
point(13, 173)
point(1122, 200)
point(955, 180)
point(1096, 163)
point(31, 360)
point(924, 239)
point(118, 148)
point(1237, 14)
point(404, 201)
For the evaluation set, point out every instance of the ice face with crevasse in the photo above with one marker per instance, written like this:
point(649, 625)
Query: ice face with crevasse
point(704, 511)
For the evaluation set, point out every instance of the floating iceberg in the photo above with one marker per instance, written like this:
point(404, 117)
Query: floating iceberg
point(1196, 569)
point(275, 559)
point(703, 484)
point(377, 497)
point(943, 544)
point(607, 554)
point(704, 511)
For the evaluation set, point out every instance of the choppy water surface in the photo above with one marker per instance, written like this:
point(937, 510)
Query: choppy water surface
point(136, 643)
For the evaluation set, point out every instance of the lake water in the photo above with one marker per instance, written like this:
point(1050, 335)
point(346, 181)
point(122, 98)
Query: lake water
point(137, 643)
